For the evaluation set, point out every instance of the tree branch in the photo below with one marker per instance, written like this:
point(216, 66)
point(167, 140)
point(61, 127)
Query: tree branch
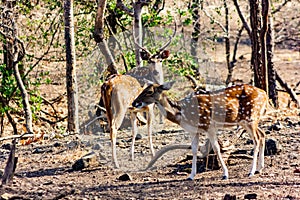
point(217, 22)
point(122, 6)
point(280, 7)
point(237, 6)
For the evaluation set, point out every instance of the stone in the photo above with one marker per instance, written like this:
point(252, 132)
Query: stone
point(229, 197)
point(38, 150)
point(6, 146)
point(272, 147)
point(277, 126)
point(250, 196)
point(138, 137)
point(96, 147)
point(85, 161)
point(57, 144)
point(125, 177)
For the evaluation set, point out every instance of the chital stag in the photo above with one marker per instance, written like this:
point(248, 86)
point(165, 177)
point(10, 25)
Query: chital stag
point(117, 94)
point(236, 105)
point(153, 72)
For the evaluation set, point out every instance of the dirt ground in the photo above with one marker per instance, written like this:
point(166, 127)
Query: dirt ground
point(44, 171)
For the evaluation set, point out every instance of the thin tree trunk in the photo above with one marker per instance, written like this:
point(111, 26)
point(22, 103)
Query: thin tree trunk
point(100, 40)
point(227, 43)
point(233, 61)
point(196, 28)
point(273, 94)
point(138, 30)
point(25, 96)
point(10, 165)
point(72, 91)
point(263, 33)
point(255, 20)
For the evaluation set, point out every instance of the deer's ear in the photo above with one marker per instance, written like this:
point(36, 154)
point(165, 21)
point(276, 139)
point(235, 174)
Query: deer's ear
point(165, 54)
point(167, 85)
point(144, 55)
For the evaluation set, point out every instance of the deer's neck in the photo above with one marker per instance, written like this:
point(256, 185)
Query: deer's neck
point(170, 109)
point(157, 72)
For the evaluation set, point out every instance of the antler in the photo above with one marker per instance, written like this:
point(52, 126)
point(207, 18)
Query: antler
point(167, 43)
point(137, 44)
point(161, 49)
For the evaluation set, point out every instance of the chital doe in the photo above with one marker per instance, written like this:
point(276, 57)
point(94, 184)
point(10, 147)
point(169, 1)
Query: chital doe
point(117, 94)
point(204, 113)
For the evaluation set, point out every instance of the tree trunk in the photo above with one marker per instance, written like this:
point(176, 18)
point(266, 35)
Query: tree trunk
point(273, 94)
point(227, 44)
point(256, 62)
point(21, 86)
point(100, 40)
point(263, 33)
point(10, 165)
point(196, 28)
point(138, 30)
point(71, 80)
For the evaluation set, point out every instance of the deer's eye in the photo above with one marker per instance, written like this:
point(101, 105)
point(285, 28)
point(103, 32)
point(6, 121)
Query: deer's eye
point(149, 92)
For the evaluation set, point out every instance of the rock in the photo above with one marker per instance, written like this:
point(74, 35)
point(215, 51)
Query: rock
point(6, 146)
point(277, 126)
point(240, 151)
point(85, 161)
point(72, 144)
point(38, 150)
point(125, 177)
point(79, 165)
point(249, 141)
point(267, 132)
point(297, 171)
point(138, 136)
point(229, 197)
point(250, 196)
point(272, 147)
point(57, 144)
point(96, 146)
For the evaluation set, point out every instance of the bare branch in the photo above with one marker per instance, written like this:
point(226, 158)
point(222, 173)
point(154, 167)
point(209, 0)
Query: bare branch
point(217, 22)
point(280, 7)
point(237, 6)
point(122, 6)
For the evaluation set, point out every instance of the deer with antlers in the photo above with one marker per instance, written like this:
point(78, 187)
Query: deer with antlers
point(119, 91)
point(204, 113)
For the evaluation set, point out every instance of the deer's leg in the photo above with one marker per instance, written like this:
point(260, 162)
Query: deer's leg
point(216, 147)
point(113, 138)
point(195, 144)
point(261, 150)
point(252, 129)
point(133, 120)
point(150, 116)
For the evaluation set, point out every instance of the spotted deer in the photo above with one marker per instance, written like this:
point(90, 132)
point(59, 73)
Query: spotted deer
point(204, 113)
point(153, 72)
point(118, 93)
